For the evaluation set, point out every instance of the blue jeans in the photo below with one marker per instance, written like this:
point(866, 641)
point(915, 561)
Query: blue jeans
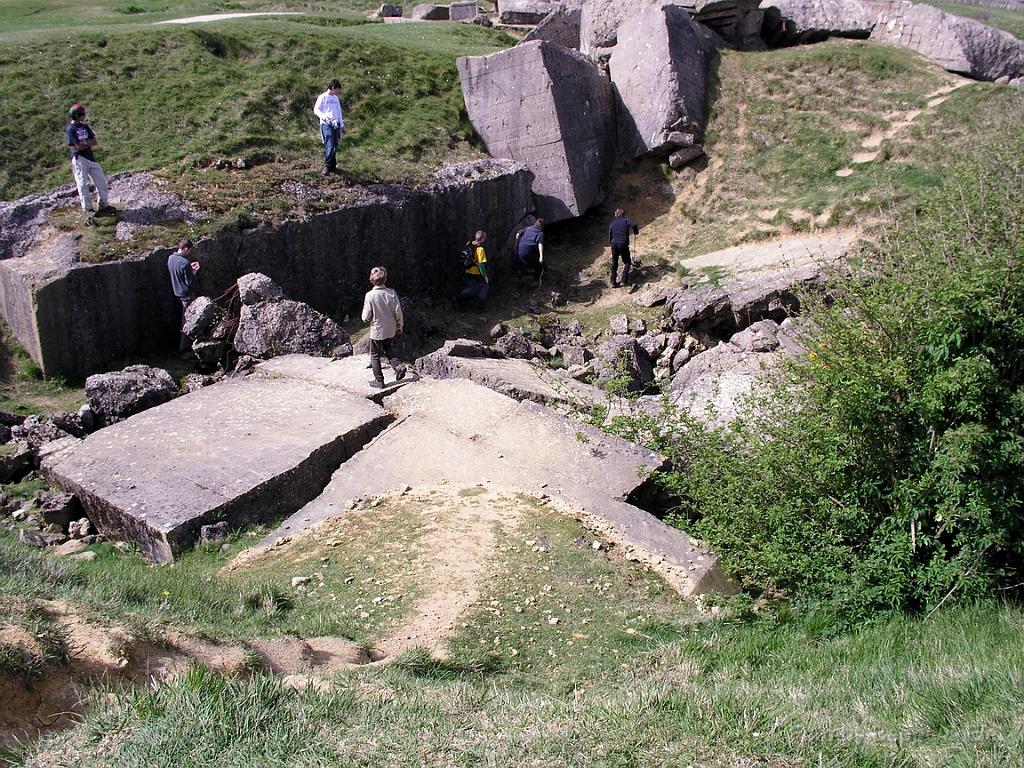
point(475, 286)
point(331, 137)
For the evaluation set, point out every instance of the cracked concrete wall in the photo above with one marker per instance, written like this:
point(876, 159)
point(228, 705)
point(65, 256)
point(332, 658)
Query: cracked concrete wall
point(76, 319)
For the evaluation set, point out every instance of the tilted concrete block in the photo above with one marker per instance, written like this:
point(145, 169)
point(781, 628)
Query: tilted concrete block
point(659, 68)
point(430, 12)
point(561, 26)
point(550, 109)
point(463, 11)
point(600, 20)
point(524, 11)
point(789, 22)
point(243, 451)
point(956, 44)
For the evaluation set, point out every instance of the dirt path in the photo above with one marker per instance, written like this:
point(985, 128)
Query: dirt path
point(462, 543)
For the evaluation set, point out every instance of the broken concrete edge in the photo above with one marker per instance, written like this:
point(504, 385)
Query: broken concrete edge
point(687, 580)
point(274, 499)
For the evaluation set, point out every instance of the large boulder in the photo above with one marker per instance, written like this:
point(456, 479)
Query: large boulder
point(525, 11)
point(255, 287)
point(600, 20)
point(960, 45)
point(791, 22)
point(561, 26)
point(738, 22)
point(715, 386)
point(287, 327)
point(429, 12)
point(659, 68)
point(550, 109)
point(704, 308)
point(115, 396)
point(200, 316)
point(463, 11)
point(621, 357)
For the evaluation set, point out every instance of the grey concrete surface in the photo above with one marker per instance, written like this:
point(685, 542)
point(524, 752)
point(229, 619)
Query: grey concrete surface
point(245, 450)
point(458, 432)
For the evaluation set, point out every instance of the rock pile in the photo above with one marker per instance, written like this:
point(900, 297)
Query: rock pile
point(529, 106)
point(263, 324)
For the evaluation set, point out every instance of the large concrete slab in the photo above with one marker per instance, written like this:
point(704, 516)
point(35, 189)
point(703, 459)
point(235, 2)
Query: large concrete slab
point(458, 432)
point(660, 68)
point(518, 379)
point(550, 109)
point(246, 450)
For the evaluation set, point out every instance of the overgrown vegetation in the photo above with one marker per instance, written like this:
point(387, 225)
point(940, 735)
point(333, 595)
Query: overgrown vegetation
point(882, 472)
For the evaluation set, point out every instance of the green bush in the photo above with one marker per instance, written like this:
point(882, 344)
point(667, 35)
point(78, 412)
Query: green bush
point(884, 471)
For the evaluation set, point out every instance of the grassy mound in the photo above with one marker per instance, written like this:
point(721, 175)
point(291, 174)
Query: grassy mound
point(179, 98)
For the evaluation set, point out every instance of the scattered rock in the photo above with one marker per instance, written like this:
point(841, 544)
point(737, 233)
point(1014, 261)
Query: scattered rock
point(255, 287)
point(31, 538)
point(215, 533)
point(60, 509)
point(79, 529)
point(115, 396)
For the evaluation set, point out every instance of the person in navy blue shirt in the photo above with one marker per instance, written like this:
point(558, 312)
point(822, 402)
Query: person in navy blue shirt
point(618, 238)
point(81, 140)
point(183, 282)
point(530, 249)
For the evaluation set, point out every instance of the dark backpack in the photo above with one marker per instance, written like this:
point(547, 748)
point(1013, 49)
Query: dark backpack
point(468, 255)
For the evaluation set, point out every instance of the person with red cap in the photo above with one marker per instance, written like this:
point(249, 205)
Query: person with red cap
point(81, 139)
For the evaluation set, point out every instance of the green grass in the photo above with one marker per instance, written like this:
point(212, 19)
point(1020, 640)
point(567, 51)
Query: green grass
point(628, 675)
point(783, 122)
point(568, 657)
point(23, 389)
point(23, 20)
point(178, 98)
point(1008, 20)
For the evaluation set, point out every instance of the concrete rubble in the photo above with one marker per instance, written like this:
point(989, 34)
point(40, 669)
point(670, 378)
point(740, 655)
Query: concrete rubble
point(477, 435)
point(659, 69)
point(302, 435)
point(550, 109)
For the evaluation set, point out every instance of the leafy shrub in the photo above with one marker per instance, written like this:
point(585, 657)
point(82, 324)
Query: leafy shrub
point(884, 471)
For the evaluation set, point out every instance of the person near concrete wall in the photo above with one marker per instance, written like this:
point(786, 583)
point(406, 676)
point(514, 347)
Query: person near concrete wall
point(618, 238)
point(81, 140)
point(332, 124)
point(183, 282)
point(477, 281)
point(383, 310)
point(530, 250)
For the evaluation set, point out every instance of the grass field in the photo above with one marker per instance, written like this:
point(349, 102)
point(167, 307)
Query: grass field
point(566, 657)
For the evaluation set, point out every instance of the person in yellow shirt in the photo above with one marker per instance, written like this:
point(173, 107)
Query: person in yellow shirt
point(477, 281)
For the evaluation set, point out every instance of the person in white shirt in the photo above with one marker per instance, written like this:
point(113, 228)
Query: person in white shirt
point(383, 311)
point(332, 124)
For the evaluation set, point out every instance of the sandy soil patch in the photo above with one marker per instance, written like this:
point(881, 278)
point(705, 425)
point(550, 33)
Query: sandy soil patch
point(225, 16)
